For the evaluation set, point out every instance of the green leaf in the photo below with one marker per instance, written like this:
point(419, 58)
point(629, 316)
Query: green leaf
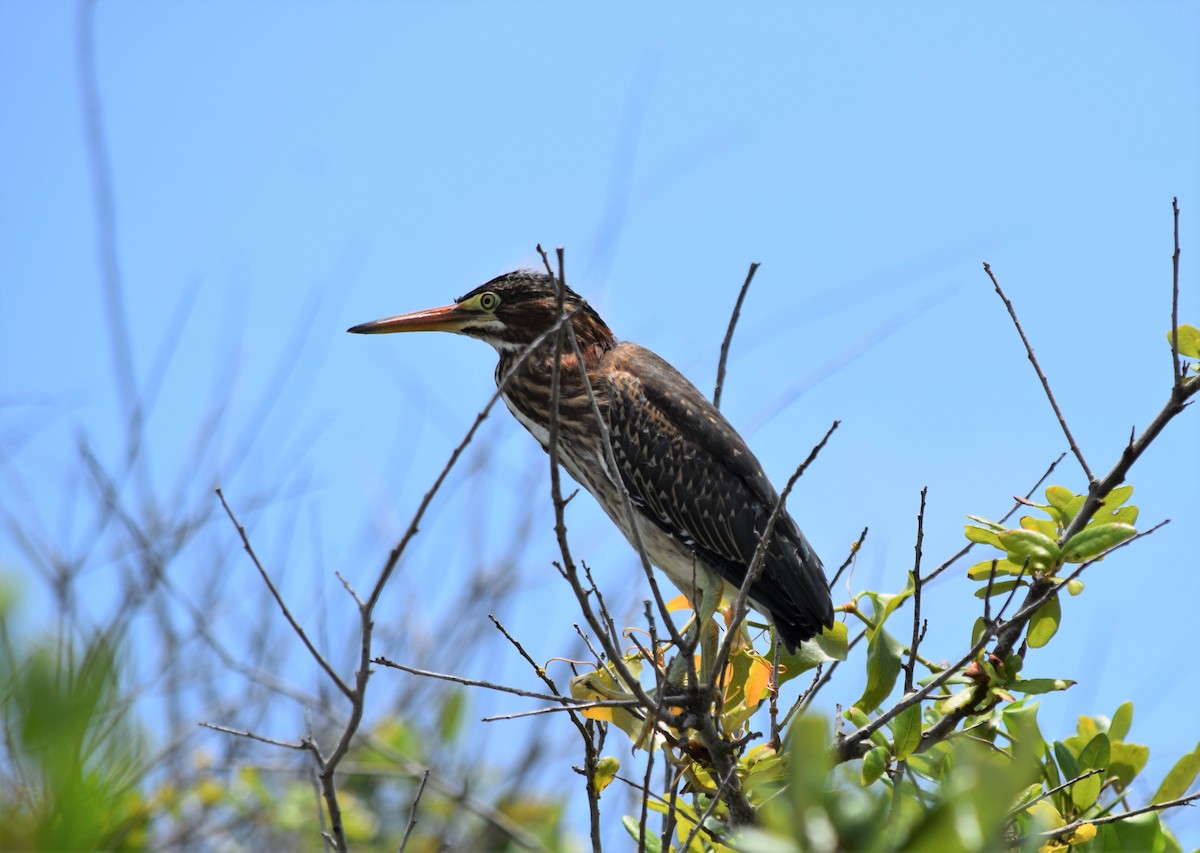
point(1066, 760)
point(359, 821)
point(1040, 525)
point(998, 588)
point(1097, 754)
point(883, 665)
point(1189, 340)
point(1040, 685)
point(906, 729)
point(1127, 761)
point(891, 602)
point(1059, 496)
point(874, 763)
point(809, 762)
point(764, 766)
point(1179, 779)
point(981, 536)
point(1121, 721)
point(930, 763)
point(1053, 777)
point(451, 717)
point(606, 771)
point(1085, 792)
point(856, 716)
point(955, 701)
point(830, 645)
point(1029, 794)
point(1037, 547)
point(1044, 623)
point(1021, 722)
point(633, 827)
point(1124, 515)
point(977, 629)
point(1114, 499)
point(1076, 504)
point(983, 522)
point(1095, 539)
point(982, 570)
point(859, 720)
point(1140, 832)
point(834, 642)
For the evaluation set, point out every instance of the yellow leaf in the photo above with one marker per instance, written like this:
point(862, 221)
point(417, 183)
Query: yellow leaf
point(758, 683)
point(679, 602)
point(1084, 834)
point(606, 771)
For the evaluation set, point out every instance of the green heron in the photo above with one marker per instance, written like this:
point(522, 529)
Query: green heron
point(700, 496)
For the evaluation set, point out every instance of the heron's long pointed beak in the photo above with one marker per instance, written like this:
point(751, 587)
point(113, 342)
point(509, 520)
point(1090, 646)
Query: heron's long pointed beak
point(448, 318)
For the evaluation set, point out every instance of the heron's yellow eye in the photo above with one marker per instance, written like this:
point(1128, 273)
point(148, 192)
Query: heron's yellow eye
point(488, 301)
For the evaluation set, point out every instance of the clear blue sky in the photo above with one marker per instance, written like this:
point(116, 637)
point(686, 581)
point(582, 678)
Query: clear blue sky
point(284, 170)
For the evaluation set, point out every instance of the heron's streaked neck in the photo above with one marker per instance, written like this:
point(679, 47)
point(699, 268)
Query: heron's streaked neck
point(593, 342)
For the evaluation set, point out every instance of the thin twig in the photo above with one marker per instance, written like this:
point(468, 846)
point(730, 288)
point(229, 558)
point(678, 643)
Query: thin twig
point(1006, 634)
point(1178, 368)
point(106, 224)
point(644, 815)
point(287, 614)
point(577, 705)
point(252, 736)
point(810, 694)
point(773, 705)
point(739, 807)
point(1056, 789)
point(502, 688)
point(671, 818)
point(1098, 490)
point(703, 816)
point(741, 605)
point(737, 311)
point(916, 596)
point(1074, 825)
point(1016, 506)
point(315, 776)
point(412, 817)
point(591, 758)
point(847, 747)
point(610, 462)
point(1062, 421)
point(854, 549)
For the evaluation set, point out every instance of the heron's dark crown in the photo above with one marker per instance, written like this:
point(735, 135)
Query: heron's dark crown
point(528, 306)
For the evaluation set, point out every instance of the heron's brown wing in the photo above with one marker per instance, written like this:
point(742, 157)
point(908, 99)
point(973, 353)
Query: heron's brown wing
point(695, 477)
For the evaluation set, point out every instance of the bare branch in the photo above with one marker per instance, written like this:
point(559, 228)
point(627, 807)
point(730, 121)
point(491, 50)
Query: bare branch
point(1058, 788)
point(610, 462)
point(577, 705)
point(1016, 506)
point(1007, 632)
point(565, 701)
point(854, 549)
point(412, 818)
point(1153, 807)
point(1178, 370)
point(737, 311)
point(1062, 422)
point(286, 744)
point(106, 224)
point(287, 614)
point(916, 631)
